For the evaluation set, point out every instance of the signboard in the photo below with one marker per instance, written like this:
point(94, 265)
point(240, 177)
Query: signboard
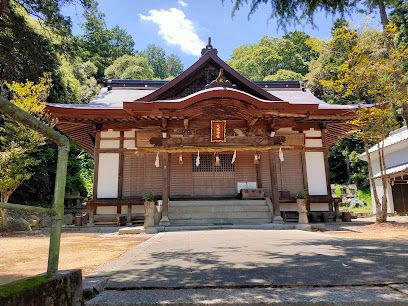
point(218, 130)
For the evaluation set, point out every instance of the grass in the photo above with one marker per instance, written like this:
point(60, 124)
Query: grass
point(17, 287)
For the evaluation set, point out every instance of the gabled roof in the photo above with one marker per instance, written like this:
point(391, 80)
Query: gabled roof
point(168, 90)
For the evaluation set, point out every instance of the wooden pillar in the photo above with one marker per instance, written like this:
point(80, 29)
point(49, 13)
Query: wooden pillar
point(275, 191)
point(129, 214)
point(121, 161)
point(165, 189)
point(304, 171)
point(258, 174)
point(96, 164)
point(326, 166)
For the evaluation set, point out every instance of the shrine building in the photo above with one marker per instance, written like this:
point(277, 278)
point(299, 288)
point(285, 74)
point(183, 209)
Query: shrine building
point(212, 146)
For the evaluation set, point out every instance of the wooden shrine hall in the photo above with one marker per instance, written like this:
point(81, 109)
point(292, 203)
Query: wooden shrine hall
point(212, 146)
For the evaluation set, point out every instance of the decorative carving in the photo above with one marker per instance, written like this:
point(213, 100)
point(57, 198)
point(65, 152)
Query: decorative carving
point(220, 81)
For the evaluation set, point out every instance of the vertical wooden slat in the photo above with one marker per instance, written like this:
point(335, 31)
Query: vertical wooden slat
point(326, 166)
point(304, 170)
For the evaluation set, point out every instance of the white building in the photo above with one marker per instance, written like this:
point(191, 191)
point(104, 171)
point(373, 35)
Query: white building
point(396, 163)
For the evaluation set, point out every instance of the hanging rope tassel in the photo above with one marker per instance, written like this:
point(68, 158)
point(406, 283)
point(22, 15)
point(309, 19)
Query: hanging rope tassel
point(234, 157)
point(181, 159)
point(281, 157)
point(197, 162)
point(157, 161)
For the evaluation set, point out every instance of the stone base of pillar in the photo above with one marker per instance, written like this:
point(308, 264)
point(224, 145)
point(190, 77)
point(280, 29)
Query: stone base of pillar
point(164, 221)
point(151, 230)
point(304, 227)
point(277, 219)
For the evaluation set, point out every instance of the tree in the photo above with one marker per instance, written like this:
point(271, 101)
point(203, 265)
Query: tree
point(48, 11)
point(130, 67)
point(284, 75)
point(156, 57)
point(174, 65)
point(101, 45)
point(256, 61)
point(297, 11)
point(17, 143)
point(372, 126)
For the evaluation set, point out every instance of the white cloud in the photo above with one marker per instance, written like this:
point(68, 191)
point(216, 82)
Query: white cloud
point(176, 29)
point(182, 3)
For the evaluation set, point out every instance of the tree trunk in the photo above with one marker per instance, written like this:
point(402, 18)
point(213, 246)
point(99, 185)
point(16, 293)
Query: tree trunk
point(373, 186)
point(4, 212)
point(383, 14)
point(384, 200)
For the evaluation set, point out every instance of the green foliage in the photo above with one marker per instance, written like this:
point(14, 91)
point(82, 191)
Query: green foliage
point(163, 66)
point(130, 67)
point(174, 66)
point(345, 165)
point(17, 143)
point(257, 61)
point(100, 45)
point(284, 75)
point(149, 197)
point(302, 194)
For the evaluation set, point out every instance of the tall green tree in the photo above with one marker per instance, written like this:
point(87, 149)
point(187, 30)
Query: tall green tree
point(256, 61)
point(156, 57)
point(174, 65)
point(101, 45)
point(130, 67)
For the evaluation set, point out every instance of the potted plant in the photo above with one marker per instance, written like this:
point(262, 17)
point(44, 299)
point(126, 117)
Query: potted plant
point(149, 209)
point(301, 200)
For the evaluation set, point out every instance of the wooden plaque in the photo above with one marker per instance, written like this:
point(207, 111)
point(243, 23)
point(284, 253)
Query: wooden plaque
point(218, 130)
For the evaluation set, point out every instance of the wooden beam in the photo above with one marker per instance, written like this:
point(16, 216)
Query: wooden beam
point(207, 149)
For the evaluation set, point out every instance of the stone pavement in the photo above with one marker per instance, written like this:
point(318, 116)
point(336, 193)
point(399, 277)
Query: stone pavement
point(247, 266)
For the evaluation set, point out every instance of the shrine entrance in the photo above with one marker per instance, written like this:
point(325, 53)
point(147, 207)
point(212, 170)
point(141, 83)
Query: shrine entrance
point(213, 175)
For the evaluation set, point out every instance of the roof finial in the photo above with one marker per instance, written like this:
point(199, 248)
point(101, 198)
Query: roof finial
point(209, 47)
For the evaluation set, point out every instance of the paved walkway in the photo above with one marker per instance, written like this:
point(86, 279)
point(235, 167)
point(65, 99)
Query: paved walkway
point(213, 265)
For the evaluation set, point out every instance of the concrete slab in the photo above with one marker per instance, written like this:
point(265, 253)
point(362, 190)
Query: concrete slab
point(403, 288)
point(233, 258)
point(283, 296)
point(131, 230)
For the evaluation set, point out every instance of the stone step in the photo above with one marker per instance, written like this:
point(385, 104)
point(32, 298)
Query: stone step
point(220, 221)
point(210, 215)
point(218, 209)
point(216, 203)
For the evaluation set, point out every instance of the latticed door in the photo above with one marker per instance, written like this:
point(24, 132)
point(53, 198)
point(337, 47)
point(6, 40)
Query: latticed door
point(211, 179)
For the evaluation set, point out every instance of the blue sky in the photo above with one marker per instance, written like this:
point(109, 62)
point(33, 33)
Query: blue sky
point(183, 26)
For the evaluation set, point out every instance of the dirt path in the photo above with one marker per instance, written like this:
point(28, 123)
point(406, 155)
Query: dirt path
point(23, 256)
point(395, 231)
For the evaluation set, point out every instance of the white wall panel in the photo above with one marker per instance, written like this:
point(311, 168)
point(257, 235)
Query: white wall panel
point(108, 172)
point(316, 173)
point(109, 144)
point(313, 143)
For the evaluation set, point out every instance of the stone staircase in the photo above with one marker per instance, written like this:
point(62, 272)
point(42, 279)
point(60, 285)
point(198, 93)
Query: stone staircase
point(219, 212)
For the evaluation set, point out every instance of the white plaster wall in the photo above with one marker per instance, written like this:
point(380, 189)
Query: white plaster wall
point(109, 144)
point(110, 134)
point(380, 192)
point(313, 143)
point(313, 133)
point(316, 173)
point(319, 206)
point(106, 210)
point(129, 143)
point(129, 134)
point(108, 172)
